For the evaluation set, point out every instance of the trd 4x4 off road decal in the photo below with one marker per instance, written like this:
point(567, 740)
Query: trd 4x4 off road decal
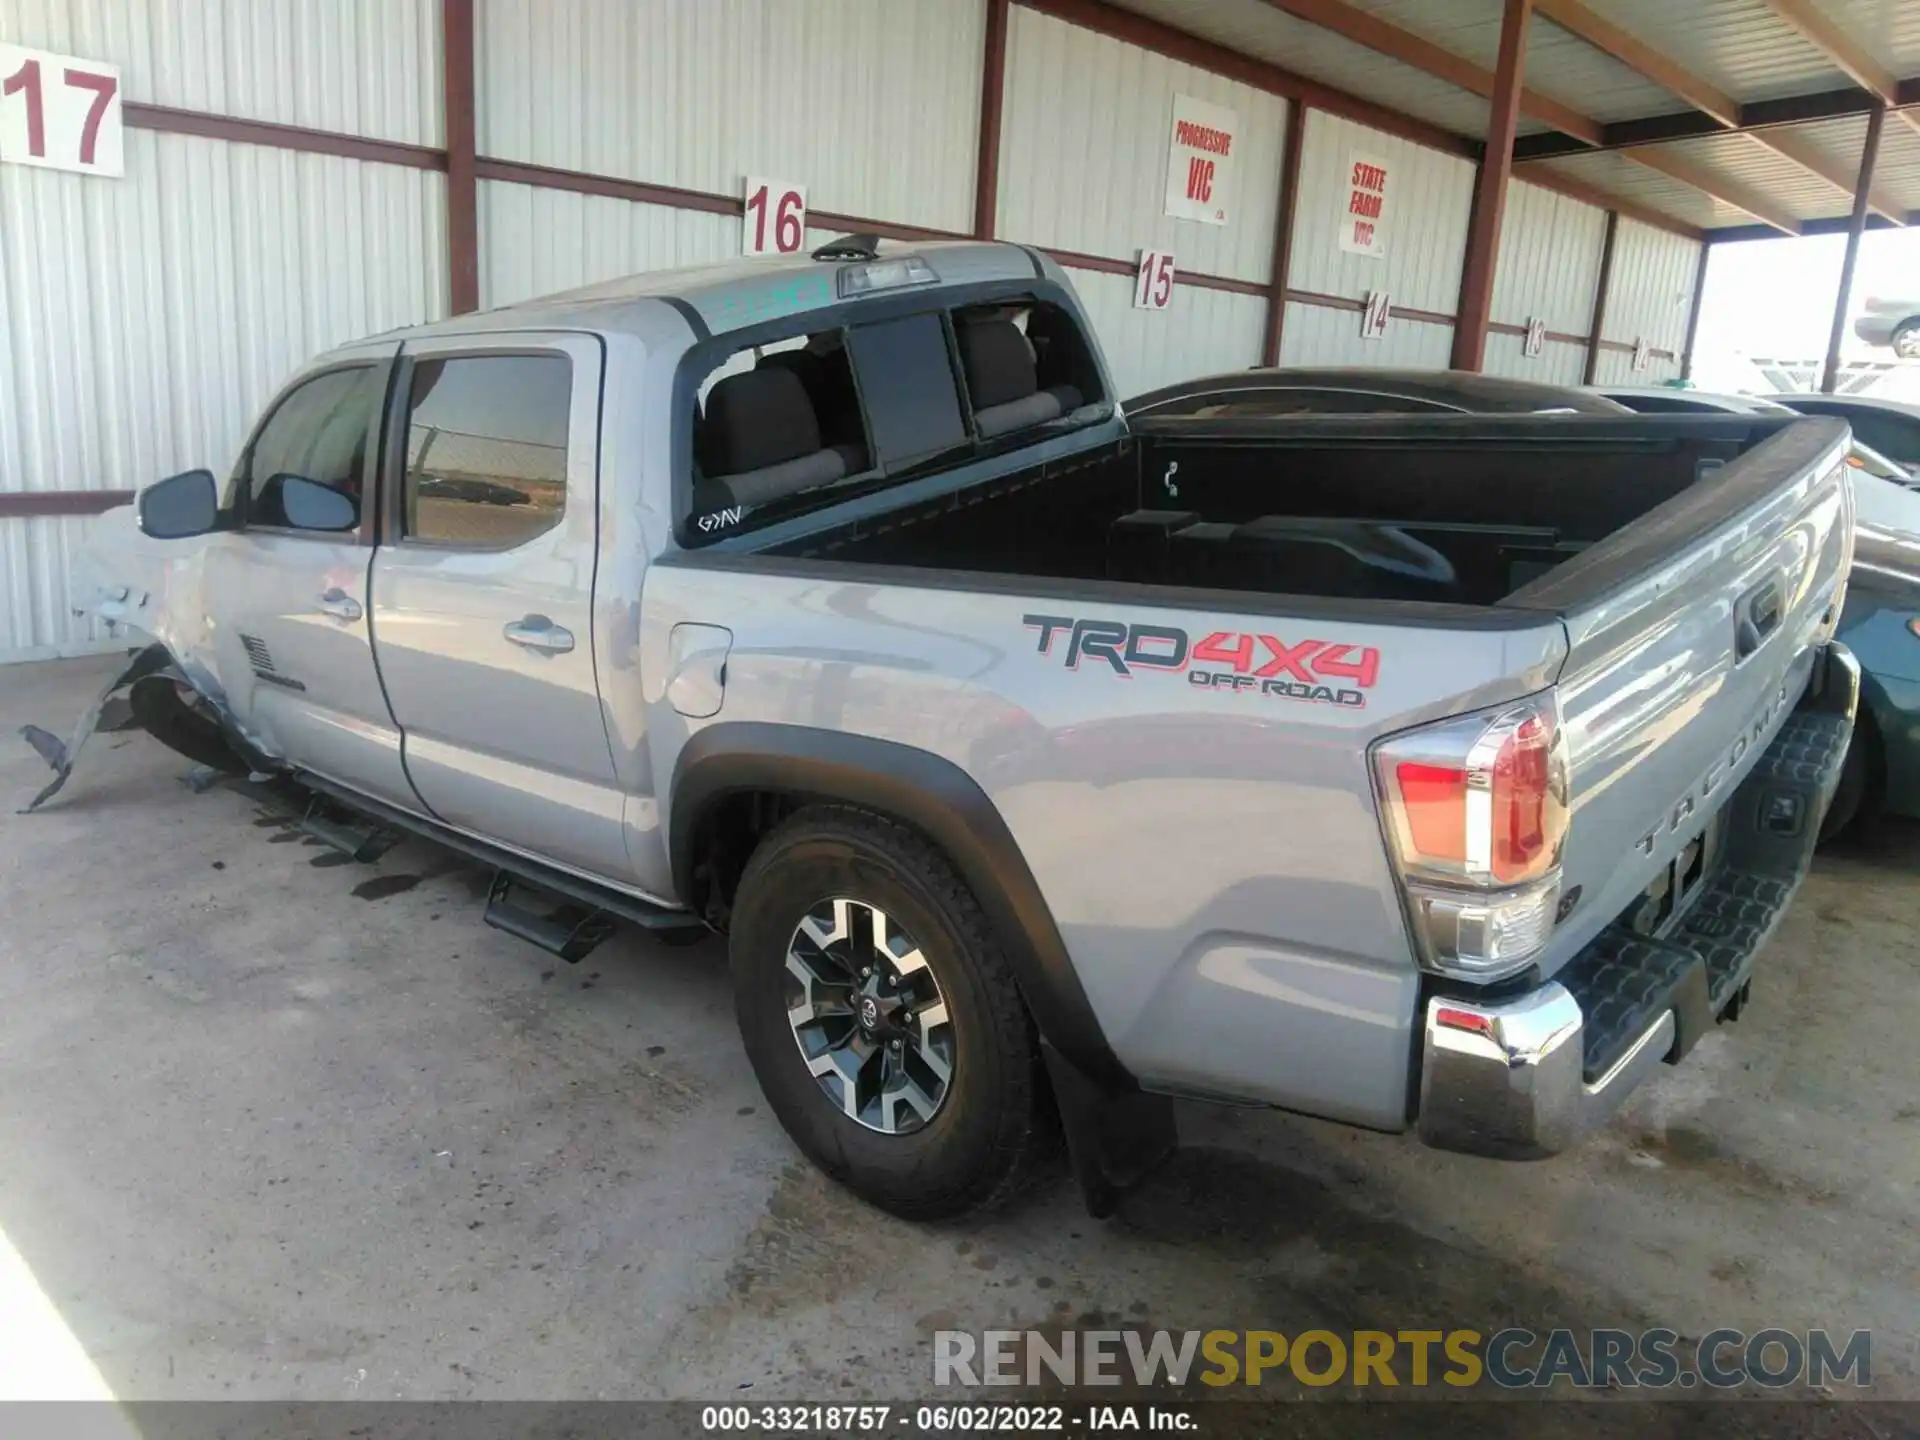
point(1324, 671)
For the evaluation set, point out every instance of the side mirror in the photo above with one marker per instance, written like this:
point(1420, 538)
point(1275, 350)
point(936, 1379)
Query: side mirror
point(180, 506)
point(309, 505)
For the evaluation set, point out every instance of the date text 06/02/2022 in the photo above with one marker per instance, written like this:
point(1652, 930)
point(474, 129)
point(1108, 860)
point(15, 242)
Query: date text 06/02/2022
point(944, 1419)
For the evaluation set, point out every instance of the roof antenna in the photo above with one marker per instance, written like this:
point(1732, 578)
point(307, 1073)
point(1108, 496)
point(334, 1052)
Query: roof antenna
point(850, 247)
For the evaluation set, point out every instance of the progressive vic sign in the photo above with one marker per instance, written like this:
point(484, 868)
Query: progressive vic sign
point(1200, 161)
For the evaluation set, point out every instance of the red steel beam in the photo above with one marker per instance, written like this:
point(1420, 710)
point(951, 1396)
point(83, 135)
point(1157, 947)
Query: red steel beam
point(40, 504)
point(1111, 20)
point(1597, 327)
point(463, 217)
point(1862, 190)
point(166, 119)
point(1693, 309)
point(993, 89)
point(1490, 194)
point(1283, 232)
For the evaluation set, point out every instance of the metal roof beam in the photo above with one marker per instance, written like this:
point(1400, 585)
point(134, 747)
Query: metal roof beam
point(1422, 54)
point(1548, 178)
point(1715, 104)
point(1843, 50)
point(1690, 124)
point(1721, 187)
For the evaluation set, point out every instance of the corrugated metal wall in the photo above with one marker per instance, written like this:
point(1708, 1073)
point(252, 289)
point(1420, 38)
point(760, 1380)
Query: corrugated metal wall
point(1202, 331)
point(873, 105)
point(1650, 295)
point(1428, 196)
point(1548, 267)
point(536, 241)
point(1083, 151)
point(365, 67)
point(145, 320)
point(1083, 167)
point(1321, 335)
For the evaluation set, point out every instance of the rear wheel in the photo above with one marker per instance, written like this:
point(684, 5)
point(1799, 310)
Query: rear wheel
point(880, 1015)
point(1906, 340)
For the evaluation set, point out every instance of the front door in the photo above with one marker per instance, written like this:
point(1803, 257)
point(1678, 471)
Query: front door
point(483, 595)
point(289, 605)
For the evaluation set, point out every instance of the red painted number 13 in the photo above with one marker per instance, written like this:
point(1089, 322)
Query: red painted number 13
point(786, 221)
point(27, 79)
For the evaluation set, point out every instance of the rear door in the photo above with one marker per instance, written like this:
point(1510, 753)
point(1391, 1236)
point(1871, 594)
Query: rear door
point(289, 605)
point(483, 590)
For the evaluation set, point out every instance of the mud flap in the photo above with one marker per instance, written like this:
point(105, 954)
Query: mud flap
point(1115, 1138)
point(149, 661)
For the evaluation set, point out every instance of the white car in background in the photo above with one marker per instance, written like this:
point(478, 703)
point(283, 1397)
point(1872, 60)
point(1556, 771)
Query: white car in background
point(1893, 323)
point(1669, 400)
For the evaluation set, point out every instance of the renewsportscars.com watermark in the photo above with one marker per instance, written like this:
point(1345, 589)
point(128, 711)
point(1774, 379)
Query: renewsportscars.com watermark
point(1512, 1359)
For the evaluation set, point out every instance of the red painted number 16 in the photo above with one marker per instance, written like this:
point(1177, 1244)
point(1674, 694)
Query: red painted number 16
point(776, 218)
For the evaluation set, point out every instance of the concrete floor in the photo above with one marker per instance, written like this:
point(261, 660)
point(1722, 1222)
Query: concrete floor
point(276, 1126)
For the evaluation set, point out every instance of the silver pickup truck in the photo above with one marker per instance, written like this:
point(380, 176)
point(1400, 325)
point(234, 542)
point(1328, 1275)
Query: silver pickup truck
point(1441, 774)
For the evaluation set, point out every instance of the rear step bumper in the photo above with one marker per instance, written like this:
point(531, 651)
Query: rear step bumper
point(1528, 1075)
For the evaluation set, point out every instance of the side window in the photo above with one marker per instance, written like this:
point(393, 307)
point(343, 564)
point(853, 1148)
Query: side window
point(317, 433)
point(906, 379)
point(486, 449)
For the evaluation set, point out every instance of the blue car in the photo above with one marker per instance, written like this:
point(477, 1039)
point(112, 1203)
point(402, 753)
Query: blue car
point(1881, 625)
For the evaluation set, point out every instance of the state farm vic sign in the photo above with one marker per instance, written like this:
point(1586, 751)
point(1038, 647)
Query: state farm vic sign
point(1200, 161)
point(1363, 217)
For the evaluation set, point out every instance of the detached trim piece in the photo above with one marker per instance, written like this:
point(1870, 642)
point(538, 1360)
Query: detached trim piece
point(935, 797)
point(37, 504)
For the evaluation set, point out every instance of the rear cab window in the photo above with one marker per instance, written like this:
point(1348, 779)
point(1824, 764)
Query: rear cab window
point(795, 419)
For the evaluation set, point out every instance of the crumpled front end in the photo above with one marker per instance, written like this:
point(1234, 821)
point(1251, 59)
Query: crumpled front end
point(170, 686)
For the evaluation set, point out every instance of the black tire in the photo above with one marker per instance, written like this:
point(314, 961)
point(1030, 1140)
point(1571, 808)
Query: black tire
point(1851, 792)
point(988, 1130)
point(1906, 340)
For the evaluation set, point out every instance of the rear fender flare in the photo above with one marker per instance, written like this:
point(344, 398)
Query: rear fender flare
point(935, 797)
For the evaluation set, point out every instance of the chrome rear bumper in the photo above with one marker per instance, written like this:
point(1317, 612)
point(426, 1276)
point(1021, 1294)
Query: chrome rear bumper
point(1526, 1075)
point(1505, 1080)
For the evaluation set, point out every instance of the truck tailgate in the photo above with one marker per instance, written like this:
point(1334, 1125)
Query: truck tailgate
point(1691, 634)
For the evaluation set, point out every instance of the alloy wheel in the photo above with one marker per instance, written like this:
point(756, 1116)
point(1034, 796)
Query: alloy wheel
point(867, 1013)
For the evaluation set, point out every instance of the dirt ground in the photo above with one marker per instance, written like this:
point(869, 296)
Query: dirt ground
point(274, 1125)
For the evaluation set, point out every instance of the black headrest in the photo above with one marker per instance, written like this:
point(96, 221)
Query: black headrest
point(803, 363)
point(760, 418)
point(998, 362)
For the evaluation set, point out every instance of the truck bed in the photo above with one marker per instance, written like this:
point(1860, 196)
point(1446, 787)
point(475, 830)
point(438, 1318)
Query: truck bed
point(1455, 510)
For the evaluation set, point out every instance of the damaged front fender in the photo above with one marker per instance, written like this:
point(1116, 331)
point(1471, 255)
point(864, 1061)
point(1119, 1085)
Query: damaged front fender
point(172, 689)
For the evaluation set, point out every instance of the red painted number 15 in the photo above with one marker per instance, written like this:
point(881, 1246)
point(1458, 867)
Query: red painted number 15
point(26, 81)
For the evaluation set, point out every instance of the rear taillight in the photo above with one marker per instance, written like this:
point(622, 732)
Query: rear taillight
point(1476, 811)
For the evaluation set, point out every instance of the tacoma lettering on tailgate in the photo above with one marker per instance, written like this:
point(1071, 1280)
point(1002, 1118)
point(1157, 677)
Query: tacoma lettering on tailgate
point(1323, 671)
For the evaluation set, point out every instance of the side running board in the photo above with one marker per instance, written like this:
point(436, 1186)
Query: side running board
point(581, 912)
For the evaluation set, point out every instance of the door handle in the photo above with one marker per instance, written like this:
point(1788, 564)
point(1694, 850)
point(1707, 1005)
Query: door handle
point(340, 605)
point(537, 632)
point(1759, 614)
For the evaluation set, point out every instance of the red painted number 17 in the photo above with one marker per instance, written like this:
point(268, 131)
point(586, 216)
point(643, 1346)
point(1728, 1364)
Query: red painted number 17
point(26, 81)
